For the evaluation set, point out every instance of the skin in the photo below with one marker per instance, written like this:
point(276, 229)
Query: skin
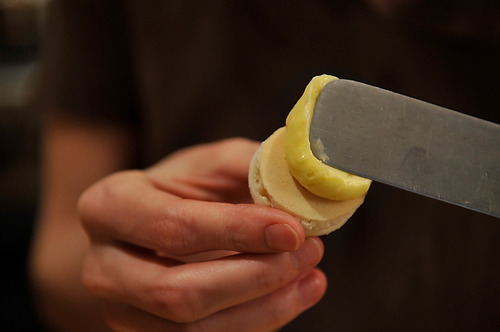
point(173, 247)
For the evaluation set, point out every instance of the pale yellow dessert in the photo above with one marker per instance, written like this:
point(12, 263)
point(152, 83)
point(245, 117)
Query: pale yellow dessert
point(272, 184)
point(286, 175)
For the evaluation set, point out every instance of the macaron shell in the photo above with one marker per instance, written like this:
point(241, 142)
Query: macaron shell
point(318, 215)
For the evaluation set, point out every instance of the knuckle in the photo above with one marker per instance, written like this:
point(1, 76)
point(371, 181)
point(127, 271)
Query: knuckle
point(172, 230)
point(93, 201)
point(179, 303)
point(278, 273)
point(240, 234)
point(268, 279)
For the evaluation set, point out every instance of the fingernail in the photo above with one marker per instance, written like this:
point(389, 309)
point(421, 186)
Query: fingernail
point(282, 237)
point(311, 288)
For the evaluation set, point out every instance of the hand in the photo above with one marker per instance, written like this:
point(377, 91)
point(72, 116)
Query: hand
point(180, 245)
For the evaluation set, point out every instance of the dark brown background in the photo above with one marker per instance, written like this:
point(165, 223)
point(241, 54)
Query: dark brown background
point(403, 262)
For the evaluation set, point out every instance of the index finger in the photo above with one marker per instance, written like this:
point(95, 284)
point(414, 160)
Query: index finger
point(127, 207)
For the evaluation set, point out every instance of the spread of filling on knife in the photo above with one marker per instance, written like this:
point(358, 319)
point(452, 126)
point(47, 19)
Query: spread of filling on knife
point(285, 174)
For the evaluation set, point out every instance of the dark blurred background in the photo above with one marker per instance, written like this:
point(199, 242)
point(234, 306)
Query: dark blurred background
point(447, 53)
point(21, 26)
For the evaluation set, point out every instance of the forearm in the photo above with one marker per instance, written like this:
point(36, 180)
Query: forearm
point(74, 156)
point(57, 254)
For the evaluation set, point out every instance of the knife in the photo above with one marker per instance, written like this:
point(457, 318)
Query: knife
point(409, 144)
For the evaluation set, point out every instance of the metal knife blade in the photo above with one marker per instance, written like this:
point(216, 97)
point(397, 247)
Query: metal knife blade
point(408, 143)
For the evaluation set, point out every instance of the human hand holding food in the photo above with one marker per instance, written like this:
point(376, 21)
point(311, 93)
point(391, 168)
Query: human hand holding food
point(145, 226)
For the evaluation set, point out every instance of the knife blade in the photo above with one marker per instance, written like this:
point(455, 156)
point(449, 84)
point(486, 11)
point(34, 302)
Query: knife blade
point(409, 144)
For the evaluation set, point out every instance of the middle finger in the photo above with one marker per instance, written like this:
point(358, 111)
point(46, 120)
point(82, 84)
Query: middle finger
point(188, 292)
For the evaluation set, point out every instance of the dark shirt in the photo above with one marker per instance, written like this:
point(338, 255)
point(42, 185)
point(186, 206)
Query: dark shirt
point(184, 72)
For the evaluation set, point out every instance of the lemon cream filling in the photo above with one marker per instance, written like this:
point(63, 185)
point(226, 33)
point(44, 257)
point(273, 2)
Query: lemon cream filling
point(317, 177)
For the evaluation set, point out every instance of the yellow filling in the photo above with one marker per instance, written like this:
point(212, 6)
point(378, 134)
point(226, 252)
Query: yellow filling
point(317, 177)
